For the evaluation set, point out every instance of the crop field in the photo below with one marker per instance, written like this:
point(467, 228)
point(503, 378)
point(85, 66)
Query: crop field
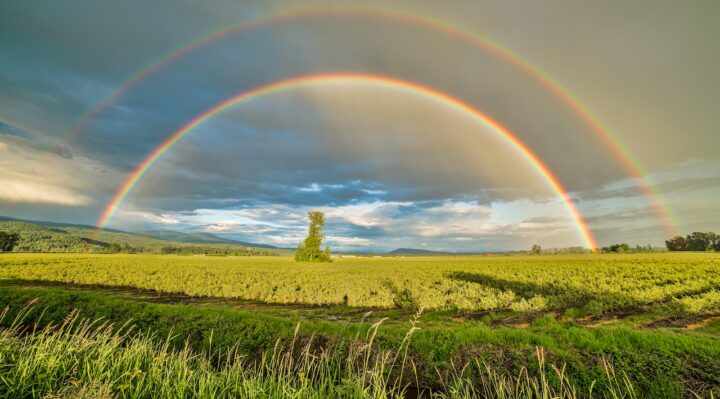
point(688, 283)
point(626, 325)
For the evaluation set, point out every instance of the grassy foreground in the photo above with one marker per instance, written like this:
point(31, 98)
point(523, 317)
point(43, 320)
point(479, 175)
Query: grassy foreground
point(659, 363)
point(658, 348)
point(82, 359)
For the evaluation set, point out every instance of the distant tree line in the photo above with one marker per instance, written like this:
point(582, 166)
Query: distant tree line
point(538, 250)
point(626, 248)
point(614, 248)
point(212, 251)
point(621, 248)
point(697, 241)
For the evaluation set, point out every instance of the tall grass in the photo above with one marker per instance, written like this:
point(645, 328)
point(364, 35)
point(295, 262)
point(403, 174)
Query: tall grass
point(80, 358)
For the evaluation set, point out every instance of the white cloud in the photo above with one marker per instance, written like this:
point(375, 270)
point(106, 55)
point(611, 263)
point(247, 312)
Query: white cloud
point(16, 190)
point(379, 225)
point(134, 218)
point(28, 174)
point(373, 214)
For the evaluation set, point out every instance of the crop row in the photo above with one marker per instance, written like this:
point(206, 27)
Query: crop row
point(597, 282)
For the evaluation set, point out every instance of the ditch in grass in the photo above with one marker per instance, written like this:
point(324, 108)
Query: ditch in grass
point(80, 358)
point(657, 363)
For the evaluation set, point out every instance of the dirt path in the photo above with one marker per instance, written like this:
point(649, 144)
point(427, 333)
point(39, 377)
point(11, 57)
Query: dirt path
point(338, 312)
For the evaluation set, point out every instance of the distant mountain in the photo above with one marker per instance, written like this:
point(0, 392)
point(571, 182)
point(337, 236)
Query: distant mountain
point(198, 238)
point(40, 236)
point(415, 251)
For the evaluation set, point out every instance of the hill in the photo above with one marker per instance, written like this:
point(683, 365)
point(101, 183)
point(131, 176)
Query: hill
point(38, 236)
point(54, 224)
point(416, 252)
point(198, 238)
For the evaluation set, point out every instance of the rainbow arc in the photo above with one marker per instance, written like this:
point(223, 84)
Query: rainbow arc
point(384, 81)
point(611, 140)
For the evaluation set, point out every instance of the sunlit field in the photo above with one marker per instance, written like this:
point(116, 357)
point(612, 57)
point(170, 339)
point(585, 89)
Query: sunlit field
point(627, 325)
point(686, 283)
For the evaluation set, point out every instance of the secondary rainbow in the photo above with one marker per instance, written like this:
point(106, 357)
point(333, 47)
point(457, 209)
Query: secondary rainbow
point(607, 136)
point(386, 81)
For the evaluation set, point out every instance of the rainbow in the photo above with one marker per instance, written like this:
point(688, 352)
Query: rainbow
point(573, 102)
point(385, 81)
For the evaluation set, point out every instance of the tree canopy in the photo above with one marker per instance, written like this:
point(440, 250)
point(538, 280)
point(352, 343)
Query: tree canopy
point(696, 241)
point(8, 241)
point(617, 248)
point(309, 249)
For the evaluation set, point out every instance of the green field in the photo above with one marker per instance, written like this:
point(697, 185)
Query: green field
point(655, 318)
point(688, 283)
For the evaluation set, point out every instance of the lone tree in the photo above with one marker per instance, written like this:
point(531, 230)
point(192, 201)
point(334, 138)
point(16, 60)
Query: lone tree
point(8, 241)
point(309, 250)
point(536, 249)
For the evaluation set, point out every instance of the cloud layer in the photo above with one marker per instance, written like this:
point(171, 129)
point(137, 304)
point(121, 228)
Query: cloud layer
point(389, 167)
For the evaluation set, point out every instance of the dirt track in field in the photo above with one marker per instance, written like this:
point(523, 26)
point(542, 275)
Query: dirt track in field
point(339, 312)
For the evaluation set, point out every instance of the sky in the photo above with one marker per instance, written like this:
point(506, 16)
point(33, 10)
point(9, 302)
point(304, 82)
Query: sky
point(389, 166)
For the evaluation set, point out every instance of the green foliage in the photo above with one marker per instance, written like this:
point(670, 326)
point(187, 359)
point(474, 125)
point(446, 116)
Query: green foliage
point(618, 248)
point(676, 243)
point(309, 250)
point(697, 241)
point(536, 249)
point(38, 238)
point(8, 241)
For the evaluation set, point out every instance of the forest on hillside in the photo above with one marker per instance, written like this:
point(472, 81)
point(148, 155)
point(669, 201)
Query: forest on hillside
point(33, 237)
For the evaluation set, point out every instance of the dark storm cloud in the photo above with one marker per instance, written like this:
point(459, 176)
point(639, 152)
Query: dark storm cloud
point(102, 40)
point(6, 128)
point(684, 185)
point(142, 118)
point(36, 141)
